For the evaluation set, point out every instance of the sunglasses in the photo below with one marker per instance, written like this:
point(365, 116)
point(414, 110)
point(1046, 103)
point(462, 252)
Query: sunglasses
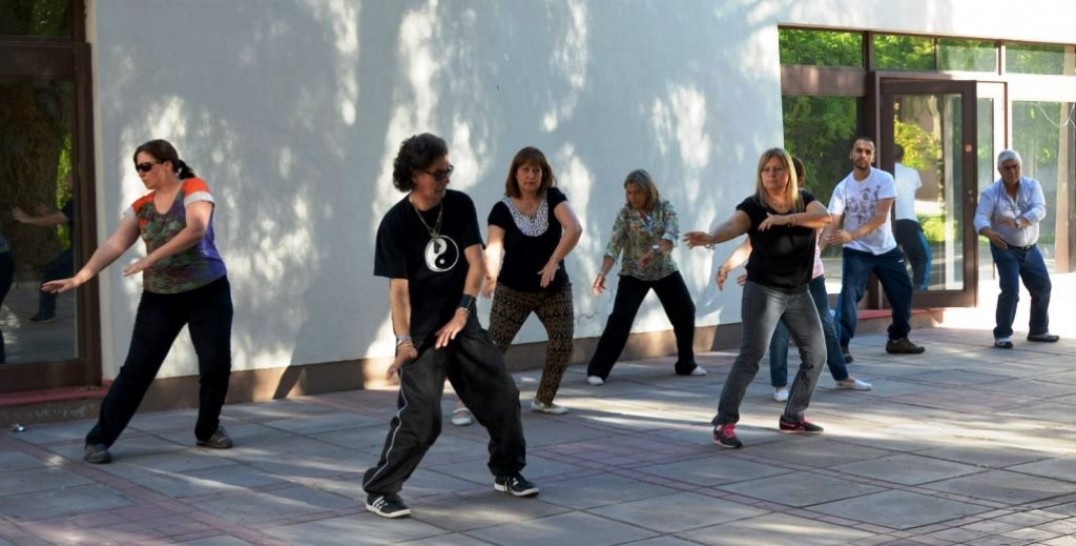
point(145, 167)
point(441, 174)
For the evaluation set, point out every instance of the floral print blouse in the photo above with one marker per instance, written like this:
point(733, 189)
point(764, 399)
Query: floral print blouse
point(635, 233)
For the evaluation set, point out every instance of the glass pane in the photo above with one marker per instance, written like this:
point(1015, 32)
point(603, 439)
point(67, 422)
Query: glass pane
point(967, 55)
point(985, 161)
point(1043, 134)
point(1039, 59)
point(821, 47)
point(36, 121)
point(820, 131)
point(894, 52)
point(929, 192)
point(35, 18)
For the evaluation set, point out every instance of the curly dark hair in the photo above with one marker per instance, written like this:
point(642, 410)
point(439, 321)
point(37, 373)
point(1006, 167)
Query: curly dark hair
point(416, 154)
point(163, 151)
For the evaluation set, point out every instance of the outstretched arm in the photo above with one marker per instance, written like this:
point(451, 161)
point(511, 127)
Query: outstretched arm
point(735, 226)
point(114, 247)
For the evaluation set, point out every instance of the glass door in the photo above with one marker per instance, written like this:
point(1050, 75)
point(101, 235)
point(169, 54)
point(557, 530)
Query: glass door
point(927, 132)
point(46, 197)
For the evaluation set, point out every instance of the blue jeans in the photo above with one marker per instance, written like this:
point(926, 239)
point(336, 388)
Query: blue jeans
point(890, 270)
point(1015, 264)
point(838, 368)
point(762, 308)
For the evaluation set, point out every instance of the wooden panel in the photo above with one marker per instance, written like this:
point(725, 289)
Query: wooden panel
point(37, 60)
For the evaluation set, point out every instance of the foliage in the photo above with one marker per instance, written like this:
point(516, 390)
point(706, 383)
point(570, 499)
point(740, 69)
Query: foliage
point(820, 131)
point(820, 47)
point(45, 18)
point(967, 55)
point(897, 52)
point(1036, 58)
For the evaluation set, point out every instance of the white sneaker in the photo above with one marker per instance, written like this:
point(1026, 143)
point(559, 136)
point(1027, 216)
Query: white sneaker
point(549, 408)
point(595, 380)
point(780, 394)
point(699, 370)
point(853, 384)
point(461, 417)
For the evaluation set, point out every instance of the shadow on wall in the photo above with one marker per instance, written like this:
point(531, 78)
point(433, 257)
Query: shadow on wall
point(293, 113)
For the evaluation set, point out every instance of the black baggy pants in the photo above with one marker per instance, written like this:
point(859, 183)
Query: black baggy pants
point(475, 367)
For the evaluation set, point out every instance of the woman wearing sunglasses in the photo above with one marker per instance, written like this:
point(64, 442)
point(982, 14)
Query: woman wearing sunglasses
point(184, 283)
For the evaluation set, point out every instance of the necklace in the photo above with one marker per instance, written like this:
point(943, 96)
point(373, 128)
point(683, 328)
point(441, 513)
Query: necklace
point(434, 231)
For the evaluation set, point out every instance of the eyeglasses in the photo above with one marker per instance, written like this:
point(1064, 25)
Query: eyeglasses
point(441, 174)
point(146, 167)
point(1011, 167)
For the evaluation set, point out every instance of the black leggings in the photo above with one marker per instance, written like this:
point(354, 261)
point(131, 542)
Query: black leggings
point(207, 313)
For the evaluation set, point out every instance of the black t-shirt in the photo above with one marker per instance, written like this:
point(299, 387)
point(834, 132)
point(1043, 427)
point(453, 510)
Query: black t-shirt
point(435, 269)
point(782, 257)
point(525, 255)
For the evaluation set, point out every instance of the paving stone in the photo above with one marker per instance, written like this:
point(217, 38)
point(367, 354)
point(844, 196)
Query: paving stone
point(364, 528)
point(679, 512)
point(800, 489)
point(776, 530)
point(1004, 487)
point(908, 469)
point(899, 509)
point(68, 501)
point(719, 468)
point(571, 529)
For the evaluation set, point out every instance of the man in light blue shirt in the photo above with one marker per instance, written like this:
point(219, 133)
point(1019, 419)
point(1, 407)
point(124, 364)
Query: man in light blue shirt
point(1009, 213)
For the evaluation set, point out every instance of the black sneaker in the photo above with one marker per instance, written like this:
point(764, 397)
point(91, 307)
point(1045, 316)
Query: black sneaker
point(219, 440)
point(903, 346)
point(1045, 337)
point(515, 485)
point(802, 427)
point(847, 353)
point(97, 454)
point(389, 505)
point(725, 436)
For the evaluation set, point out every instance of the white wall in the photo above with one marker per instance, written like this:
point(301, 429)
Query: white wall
point(293, 111)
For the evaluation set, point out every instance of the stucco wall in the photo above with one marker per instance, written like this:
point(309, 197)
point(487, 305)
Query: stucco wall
point(293, 110)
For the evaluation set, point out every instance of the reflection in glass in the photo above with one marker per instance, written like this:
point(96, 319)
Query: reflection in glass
point(929, 128)
point(1043, 133)
point(967, 55)
point(821, 47)
point(35, 18)
point(898, 52)
point(37, 217)
point(1039, 59)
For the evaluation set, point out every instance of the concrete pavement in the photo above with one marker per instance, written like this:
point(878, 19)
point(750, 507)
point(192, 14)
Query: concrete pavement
point(965, 444)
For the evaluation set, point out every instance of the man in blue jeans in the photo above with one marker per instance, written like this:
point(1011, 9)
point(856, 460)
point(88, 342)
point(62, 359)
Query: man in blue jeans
point(1009, 213)
point(859, 210)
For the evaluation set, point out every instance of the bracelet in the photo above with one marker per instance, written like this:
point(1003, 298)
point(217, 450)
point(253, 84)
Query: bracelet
point(402, 340)
point(792, 220)
point(601, 274)
point(467, 302)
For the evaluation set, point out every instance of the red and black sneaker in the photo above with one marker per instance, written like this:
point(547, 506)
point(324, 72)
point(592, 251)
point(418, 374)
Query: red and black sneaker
point(725, 436)
point(801, 427)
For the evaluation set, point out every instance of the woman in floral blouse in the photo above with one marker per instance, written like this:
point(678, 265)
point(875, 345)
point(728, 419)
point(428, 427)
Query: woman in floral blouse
point(644, 233)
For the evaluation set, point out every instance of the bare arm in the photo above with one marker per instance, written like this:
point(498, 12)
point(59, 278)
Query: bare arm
point(400, 302)
point(881, 214)
point(815, 217)
point(114, 247)
point(494, 246)
point(46, 219)
point(570, 237)
point(736, 259)
point(735, 226)
point(599, 280)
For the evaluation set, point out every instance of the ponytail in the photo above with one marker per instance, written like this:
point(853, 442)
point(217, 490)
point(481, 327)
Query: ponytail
point(183, 170)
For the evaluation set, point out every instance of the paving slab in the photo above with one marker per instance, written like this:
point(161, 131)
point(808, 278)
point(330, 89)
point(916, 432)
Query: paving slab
point(962, 445)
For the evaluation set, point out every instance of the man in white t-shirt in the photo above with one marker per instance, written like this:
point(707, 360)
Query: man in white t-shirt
point(908, 232)
point(859, 210)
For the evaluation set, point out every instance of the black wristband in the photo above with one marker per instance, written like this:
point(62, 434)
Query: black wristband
point(467, 302)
